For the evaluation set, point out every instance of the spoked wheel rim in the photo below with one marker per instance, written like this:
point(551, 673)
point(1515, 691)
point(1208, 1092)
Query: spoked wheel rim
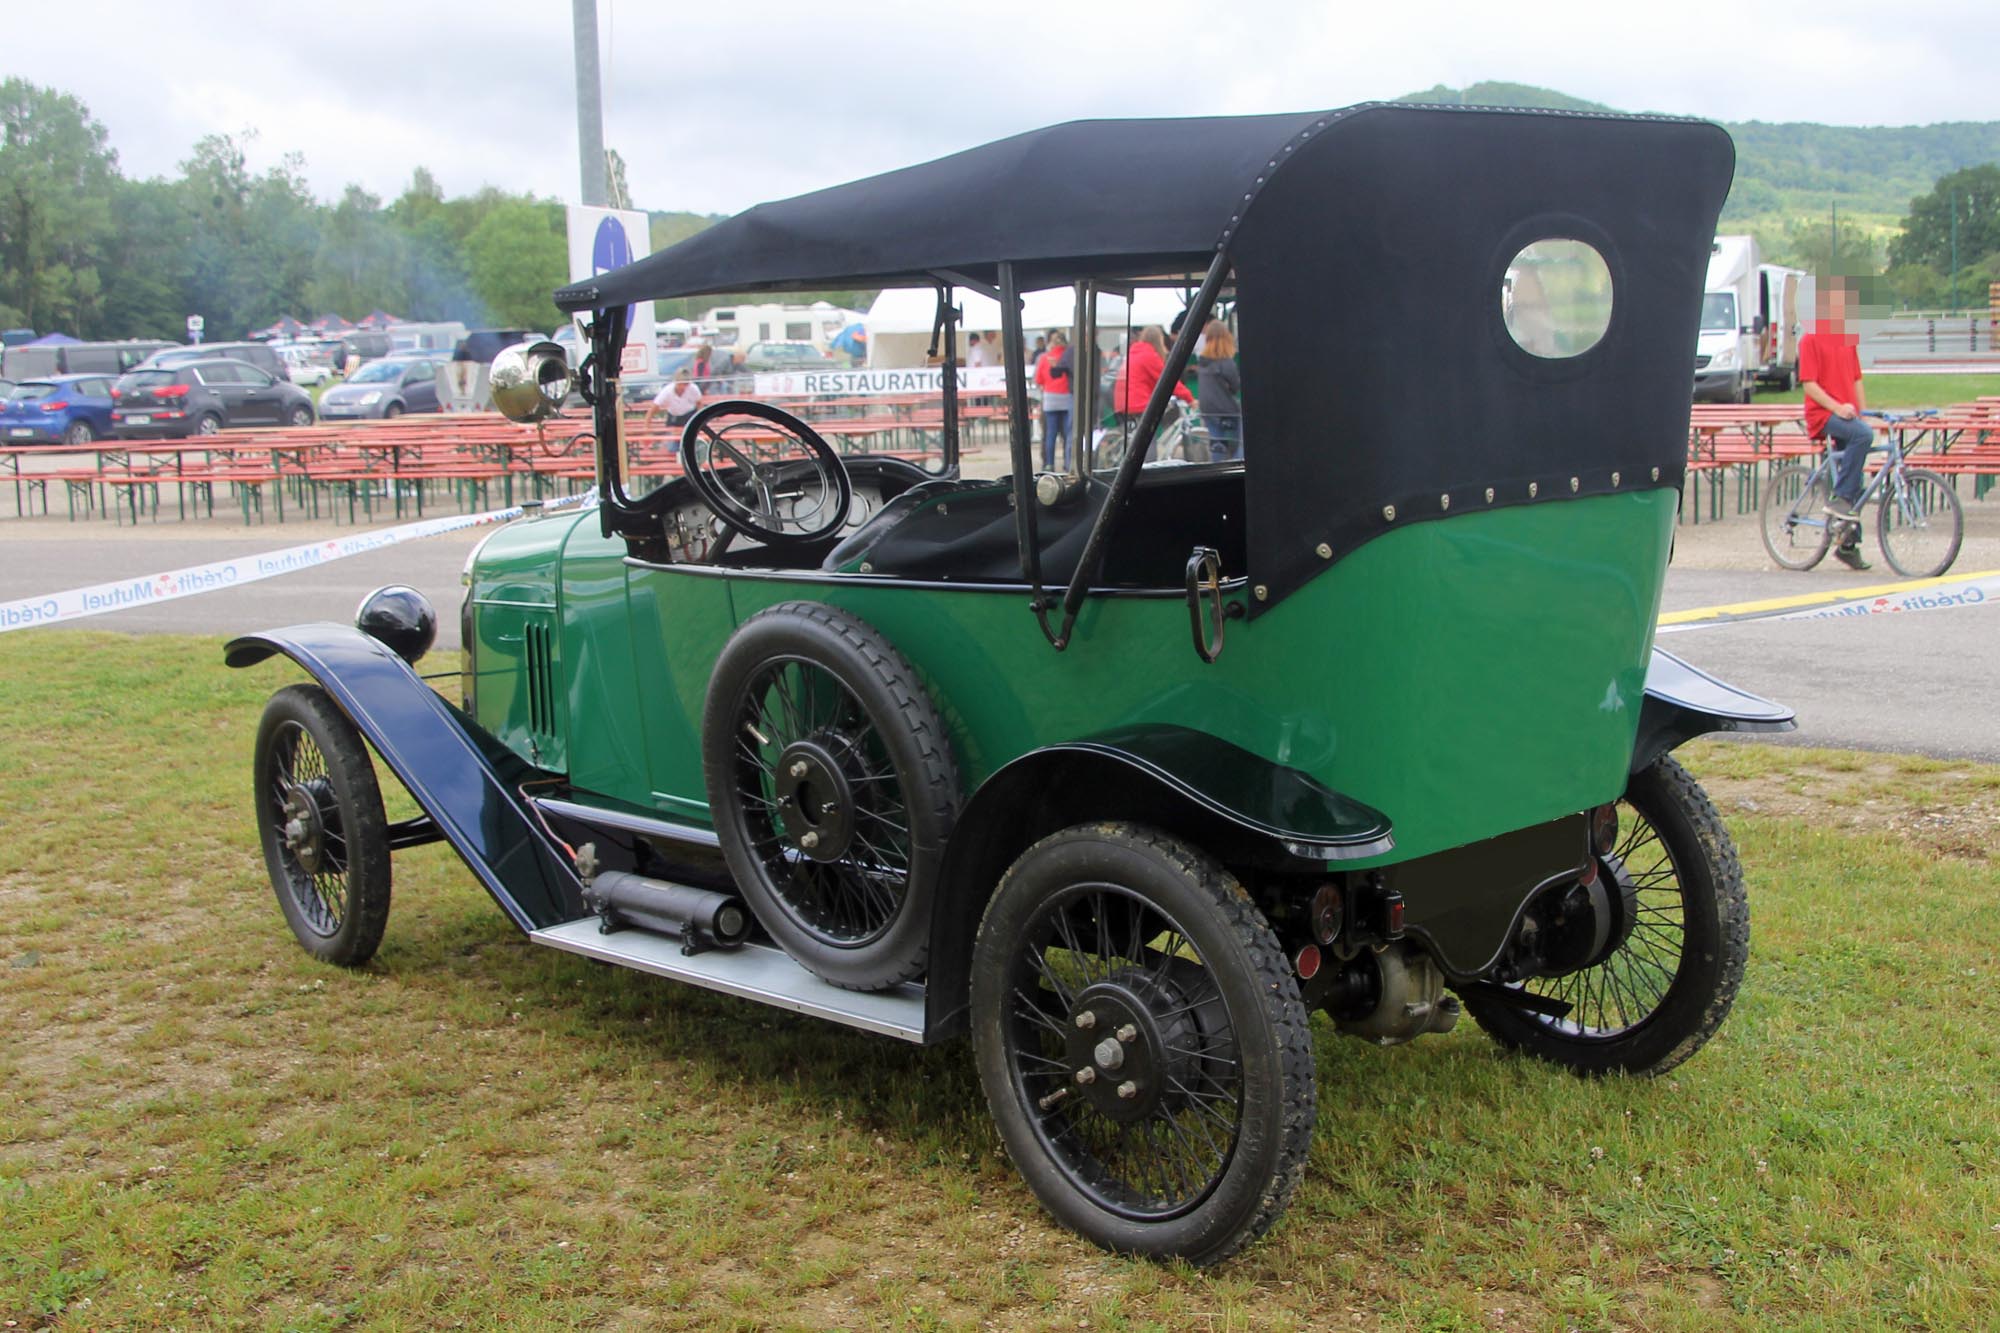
point(312, 844)
point(1624, 991)
point(1123, 1053)
point(824, 810)
point(1920, 526)
point(1796, 530)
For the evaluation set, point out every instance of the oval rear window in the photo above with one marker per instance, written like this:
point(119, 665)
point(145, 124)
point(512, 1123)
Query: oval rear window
point(1556, 298)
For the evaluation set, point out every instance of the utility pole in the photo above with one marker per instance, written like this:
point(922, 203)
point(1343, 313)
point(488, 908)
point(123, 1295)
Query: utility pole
point(589, 104)
point(1954, 249)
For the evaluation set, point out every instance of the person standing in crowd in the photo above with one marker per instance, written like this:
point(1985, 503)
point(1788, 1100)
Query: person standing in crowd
point(1145, 362)
point(679, 399)
point(977, 353)
point(1220, 388)
point(704, 357)
point(1052, 372)
point(1830, 375)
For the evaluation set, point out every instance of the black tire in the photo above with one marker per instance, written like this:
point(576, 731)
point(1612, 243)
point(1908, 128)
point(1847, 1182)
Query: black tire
point(79, 433)
point(1198, 1147)
point(319, 814)
point(299, 416)
point(1795, 525)
point(831, 780)
point(1920, 524)
point(1664, 991)
point(208, 424)
point(392, 410)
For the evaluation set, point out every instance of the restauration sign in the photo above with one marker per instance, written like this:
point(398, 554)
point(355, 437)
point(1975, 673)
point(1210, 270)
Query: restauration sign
point(867, 383)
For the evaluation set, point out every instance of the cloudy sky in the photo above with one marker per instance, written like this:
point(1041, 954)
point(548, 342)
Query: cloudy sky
point(718, 105)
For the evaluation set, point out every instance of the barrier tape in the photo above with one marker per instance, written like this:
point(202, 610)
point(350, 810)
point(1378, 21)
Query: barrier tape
point(1959, 590)
point(101, 598)
point(1939, 594)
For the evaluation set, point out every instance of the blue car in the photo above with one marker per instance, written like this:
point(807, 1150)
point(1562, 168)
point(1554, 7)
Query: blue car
point(62, 409)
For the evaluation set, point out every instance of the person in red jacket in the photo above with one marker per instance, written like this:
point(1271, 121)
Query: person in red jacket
point(1145, 362)
point(1830, 375)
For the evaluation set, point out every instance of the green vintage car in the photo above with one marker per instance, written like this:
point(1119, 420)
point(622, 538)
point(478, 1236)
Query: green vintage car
point(1122, 773)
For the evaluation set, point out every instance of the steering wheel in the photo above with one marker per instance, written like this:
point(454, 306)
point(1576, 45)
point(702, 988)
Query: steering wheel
point(762, 487)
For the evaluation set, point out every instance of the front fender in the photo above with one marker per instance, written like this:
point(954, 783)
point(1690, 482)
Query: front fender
point(1237, 806)
point(1683, 701)
point(467, 782)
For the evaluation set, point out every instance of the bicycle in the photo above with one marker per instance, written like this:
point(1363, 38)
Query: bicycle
point(1918, 520)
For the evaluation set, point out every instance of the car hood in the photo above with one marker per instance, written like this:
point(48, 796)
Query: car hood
point(354, 393)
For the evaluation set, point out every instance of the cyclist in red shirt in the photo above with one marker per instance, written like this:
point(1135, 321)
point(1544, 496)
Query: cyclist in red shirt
point(1830, 373)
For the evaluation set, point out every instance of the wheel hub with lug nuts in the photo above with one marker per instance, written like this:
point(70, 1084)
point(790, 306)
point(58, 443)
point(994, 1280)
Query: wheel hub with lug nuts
point(815, 798)
point(304, 829)
point(1124, 1059)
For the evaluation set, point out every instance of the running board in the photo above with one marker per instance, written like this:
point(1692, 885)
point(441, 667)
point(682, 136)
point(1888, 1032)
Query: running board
point(752, 972)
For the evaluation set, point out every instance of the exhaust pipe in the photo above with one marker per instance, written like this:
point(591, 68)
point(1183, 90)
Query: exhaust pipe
point(699, 918)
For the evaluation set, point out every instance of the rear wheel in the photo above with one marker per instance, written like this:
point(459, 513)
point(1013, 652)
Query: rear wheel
point(209, 424)
point(1795, 524)
point(1654, 999)
point(833, 788)
point(319, 814)
point(79, 432)
point(1920, 524)
point(1142, 1044)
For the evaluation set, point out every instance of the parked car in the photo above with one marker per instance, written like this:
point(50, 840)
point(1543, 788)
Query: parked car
point(261, 355)
point(39, 361)
point(304, 367)
point(6, 388)
point(398, 383)
point(64, 409)
point(202, 398)
point(785, 356)
point(1144, 779)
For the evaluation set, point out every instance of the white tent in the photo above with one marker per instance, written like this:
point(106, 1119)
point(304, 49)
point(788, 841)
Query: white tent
point(899, 323)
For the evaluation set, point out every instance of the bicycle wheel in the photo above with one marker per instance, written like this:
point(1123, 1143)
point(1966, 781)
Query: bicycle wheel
point(1919, 524)
point(1795, 525)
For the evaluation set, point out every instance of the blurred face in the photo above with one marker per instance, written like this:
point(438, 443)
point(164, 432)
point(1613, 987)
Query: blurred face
point(1835, 302)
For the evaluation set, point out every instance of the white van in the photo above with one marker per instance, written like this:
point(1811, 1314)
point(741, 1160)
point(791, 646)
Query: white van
point(1727, 350)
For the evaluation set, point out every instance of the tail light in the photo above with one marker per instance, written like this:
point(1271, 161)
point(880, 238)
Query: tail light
point(117, 393)
point(171, 391)
point(57, 406)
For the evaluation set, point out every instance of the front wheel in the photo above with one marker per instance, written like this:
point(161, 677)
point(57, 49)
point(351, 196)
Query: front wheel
point(1920, 524)
point(301, 416)
point(1654, 999)
point(1796, 530)
point(1141, 1044)
point(319, 814)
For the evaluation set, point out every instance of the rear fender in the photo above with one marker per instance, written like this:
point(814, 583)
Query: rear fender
point(1234, 805)
point(1683, 702)
point(466, 781)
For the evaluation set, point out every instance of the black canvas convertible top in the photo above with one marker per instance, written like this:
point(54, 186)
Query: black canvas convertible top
point(1086, 198)
point(1369, 250)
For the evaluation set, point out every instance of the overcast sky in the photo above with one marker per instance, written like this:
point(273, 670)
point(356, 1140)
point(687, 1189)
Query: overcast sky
point(717, 105)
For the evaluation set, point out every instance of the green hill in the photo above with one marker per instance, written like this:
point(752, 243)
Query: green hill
point(1797, 170)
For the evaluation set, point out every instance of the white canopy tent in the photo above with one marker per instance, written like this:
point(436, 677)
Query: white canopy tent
point(899, 323)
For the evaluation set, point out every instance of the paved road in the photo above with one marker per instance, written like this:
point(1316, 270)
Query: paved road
point(1928, 682)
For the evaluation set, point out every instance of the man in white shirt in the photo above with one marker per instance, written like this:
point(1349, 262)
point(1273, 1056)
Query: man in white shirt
point(678, 398)
point(976, 351)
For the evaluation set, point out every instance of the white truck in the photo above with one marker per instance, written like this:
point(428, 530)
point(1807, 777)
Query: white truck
point(1785, 308)
point(1728, 348)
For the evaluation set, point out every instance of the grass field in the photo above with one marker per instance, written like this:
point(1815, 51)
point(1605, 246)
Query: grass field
point(1897, 392)
point(201, 1128)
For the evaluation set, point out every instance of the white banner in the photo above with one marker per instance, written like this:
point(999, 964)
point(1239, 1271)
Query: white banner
point(601, 239)
point(101, 598)
point(1951, 592)
point(866, 383)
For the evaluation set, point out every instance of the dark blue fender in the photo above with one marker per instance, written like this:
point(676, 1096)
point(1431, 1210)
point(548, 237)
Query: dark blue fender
point(468, 783)
point(1240, 807)
point(1683, 702)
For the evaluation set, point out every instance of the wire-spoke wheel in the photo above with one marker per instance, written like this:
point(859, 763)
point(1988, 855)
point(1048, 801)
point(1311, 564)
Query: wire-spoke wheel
point(833, 789)
point(1796, 530)
point(1653, 998)
point(319, 814)
point(1142, 1044)
point(1919, 523)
